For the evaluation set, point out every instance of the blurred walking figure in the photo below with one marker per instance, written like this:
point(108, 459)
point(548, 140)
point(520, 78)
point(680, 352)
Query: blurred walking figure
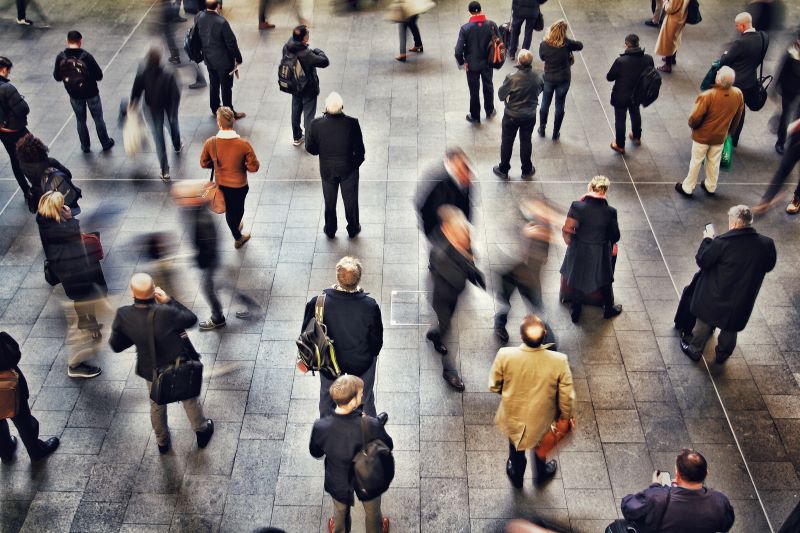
point(162, 98)
point(13, 122)
point(788, 162)
point(451, 185)
point(220, 53)
point(78, 272)
point(787, 85)
point(406, 13)
point(669, 38)
point(22, 14)
point(556, 51)
point(43, 170)
point(263, 24)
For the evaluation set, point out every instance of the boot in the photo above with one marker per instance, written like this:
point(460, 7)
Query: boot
point(544, 470)
point(559, 118)
point(542, 123)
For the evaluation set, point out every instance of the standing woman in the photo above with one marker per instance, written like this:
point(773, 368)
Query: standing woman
point(406, 13)
point(669, 38)
point(556, 52)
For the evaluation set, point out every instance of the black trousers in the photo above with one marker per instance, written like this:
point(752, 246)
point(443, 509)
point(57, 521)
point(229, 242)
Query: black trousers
point(510, 127)
point(790, 158)
point(9, 139)
point(221, 83)
point(234, 207)
point(210, 293)
point(608, 298)
point(409, 24)
point(330, 192)
point(509, 282)
point(444, 301)
point(262, 10)
point(749, 94)
point(518, 460)
point(474, 82)
point(620, 123)
point(28, 429)
point(789, 109)
point(516, 28)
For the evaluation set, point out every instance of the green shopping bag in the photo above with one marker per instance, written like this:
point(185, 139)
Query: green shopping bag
point(727, 154)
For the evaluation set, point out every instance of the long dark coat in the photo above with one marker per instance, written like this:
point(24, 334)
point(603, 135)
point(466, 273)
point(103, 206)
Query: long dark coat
point(588, 264)
point(732, 267)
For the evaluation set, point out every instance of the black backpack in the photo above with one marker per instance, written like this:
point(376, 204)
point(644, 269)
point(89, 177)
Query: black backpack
point(192, 44)
point(55, 180)
point(496, 51)
point(373, 467)
point(693, 12)
point(505, 33)
point(314, 348)
point(74, 73)
point(648, 87)
point(292, 78)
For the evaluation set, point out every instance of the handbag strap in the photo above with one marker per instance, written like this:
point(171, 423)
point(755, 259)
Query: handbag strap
point(151, 334)
point(363, 432)
point(763, 55)
point(664, 512)
point(319, 308)
point(214, 160)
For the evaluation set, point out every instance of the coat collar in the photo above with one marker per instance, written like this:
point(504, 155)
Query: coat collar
point(633, 51)
point(478, 18)
point(738, 233)
point(543, 348)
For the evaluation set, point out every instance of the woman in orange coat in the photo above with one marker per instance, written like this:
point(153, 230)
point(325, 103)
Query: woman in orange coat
point(669, 38)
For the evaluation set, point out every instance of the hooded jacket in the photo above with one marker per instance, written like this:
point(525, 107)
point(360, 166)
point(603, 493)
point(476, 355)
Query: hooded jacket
point(310, 60)
point(13, 107)
point(625, 74)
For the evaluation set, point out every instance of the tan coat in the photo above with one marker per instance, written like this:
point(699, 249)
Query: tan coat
point(669, 38)
point(716, 112)
point(536, 389)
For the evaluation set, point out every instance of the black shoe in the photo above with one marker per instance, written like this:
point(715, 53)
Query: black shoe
point(685, 348)
point(438, 345)
point(651, 24)
point(512, 476)
point(5, 459)
point(501, 333)
point(611, 312)
point(575, 314)
point(199, 85)
point(49, 447)
point(383, 418)
point(178, 18)
point(779, 147)
point(354, 234)
point(330, 235)
point(499, 173)
point(204, 436)
point(721, 358)
point(83, 371)
point(703, 186)
point(556, 135)
point(679, 189)
point(86, 149)
point(473, 120)
point(162, 449)
point(528, 176)
point(544, 471)
point(455, 382)
point(491, 114)
point(109, 146)
point(541, 131)
point(175, 60)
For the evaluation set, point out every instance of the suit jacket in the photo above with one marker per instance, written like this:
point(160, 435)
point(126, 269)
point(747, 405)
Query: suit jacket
point(744, 55)
point(535, 386)
point(625, 72)
point(689, 511)
point(443, 191)
point(337, 140)
point(220, 49)
point(9, 360)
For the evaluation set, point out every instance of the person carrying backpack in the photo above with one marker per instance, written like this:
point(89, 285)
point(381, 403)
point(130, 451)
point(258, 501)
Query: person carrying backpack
point(44, 172)
point(339, 438)
point(13, 122)
point(472, 54)
point(79, 72)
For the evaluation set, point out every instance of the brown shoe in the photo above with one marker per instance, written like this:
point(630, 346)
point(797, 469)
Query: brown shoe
point(265, 25)
point(636, 142)
point(794, 206)
point(385, 525)
point(238, 244)
point(401, 58)
point(617, 149)
point(239, 115)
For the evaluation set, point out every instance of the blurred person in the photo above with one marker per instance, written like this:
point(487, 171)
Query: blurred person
point(155, 313)
point(26, 424)
point(556, 50)
point(523, 526)
point(520, 94)
point(591, 232)
point(716, 113)
point(79, 274)
point(339, 438)
point(304, 102)
point(408, 12)
point(162, 98)
point(787, 85)
point(79, 72)
point(537, 402)
point(37, 164)
point(657, 7)
point(789, 160)
point(22, 17)
point(669, 38)
point(337, 140)
point(452, 264)
point(529, 12)
point(221, 55)
point(263, 24)
point(231, 157)
point(625, 73)
point(472, 54)
point(451, 184)
point(13, 123)
point(168, 18)
point(767, 14)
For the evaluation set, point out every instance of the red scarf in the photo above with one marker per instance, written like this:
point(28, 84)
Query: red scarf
point(478, 18)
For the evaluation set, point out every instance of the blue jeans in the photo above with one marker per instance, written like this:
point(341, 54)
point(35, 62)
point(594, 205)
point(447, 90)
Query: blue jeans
point(560, 90)
point(157, 127)
point(305, 107)
point(96, 109)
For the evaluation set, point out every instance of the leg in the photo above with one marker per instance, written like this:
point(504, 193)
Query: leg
point(726, 342)
point(473, 83)
point(636, 120)
point(507, 286)
point(659, 9)
point(341, 517)
point(788, 161)
point(158, 419)
point(526, 43)
point(517, 460)
point(509, 132)
point(226, 85)
point(297, 111)
point(532, 296)
point(210, 294)
point(561, 100)
point(326, 405)
point(194, 412)
point(412, 25)
point(369, 389)
point(234, 208)
point(738, 132)
point(620, 122)
point(96, 108)
point(673, 59)
point(309, 110)
point(21, 4)
point(350, 199)
point(713, 157)
point(525, 145)
point(157, 127)
point(516, 27)
point(79, 107)
point(488, 90)
point(608, 297)
point(174, 128)
point(28, 429)
point(9, 140)
point(373, 518)
point(330, 193)
point(403, 26)
point(262, 10)
point(214, 88)
point(698, 154)
point(544, 109)
point(700, 335)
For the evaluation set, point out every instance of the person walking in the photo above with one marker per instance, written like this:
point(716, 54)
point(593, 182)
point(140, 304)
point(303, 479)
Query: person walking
point(732, 268)
point(529, 12)
point(13, 123)
point(744, 55)
point(591, 232)
point(657, 7)
point(263, 24)
point(37, 164)
point(231, 158)
point(787, 85)
point(406, 13)
point(556, 50)
point(716, 113)
point(155, 319)
point(304, 102)
point(520, 93)
point(79, 72)
point(472, 53)
point(339, 438)
point(669, 38)
point(337, 140)
point(625, 73)
point(790, 158)
point(26, 424)
point(537, 401)
point(221, 55)
point(451, 184)
point(353, 320)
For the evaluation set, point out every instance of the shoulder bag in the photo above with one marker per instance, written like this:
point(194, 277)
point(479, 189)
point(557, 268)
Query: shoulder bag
point(9, 394)
point(93, 246)
point(176, 382)
point(216, 201)
point(760, 97)
point(373, 466)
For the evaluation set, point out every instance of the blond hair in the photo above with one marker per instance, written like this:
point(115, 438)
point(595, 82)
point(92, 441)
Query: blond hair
point(599, 184)
point(345, 388)
point(556, 35)
point(225, 118)
point(348, 272)
point(51, 205)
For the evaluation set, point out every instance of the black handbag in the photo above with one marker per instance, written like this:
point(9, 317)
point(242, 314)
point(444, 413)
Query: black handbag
point(759, 98)
point(179, 381)
point(49, 274)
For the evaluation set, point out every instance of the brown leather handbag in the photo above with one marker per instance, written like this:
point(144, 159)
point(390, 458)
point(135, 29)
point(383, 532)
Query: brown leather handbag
point(569, 229)
point(9, 394)
point(214, 196)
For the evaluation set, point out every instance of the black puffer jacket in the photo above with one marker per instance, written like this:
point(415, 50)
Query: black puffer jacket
point(625, 74)
point(557, 68)
point(520, 92)
point(310, 60)
point(526, 9)
point(13, 107)
point(220, 49)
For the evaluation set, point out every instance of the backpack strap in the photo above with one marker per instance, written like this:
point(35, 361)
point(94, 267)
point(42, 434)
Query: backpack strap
point(363, 431)
point(319, 308)
point(664, 512)
point(151, 335)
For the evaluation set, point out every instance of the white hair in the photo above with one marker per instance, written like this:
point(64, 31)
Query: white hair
point(725, 77)
point(740, 216)
point(524, 57)
point(744, 18)
point(334, 103)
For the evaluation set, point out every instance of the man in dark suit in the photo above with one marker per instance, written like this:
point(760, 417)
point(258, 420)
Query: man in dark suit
point(625, 73)
point(732, 268)
point(472, 53)
point(154, 311)
point(744, 55)
point(221, 55)
point(526, 11)
point(27, 426)
point(452, 185)
point(337, 140)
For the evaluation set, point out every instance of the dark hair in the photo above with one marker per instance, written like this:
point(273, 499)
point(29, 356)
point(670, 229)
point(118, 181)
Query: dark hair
point(692, 466)
point(474, 7)
point(153, 57)
point(5, 62)
point(532, 331)
point(632, 39)
point(299, 33)
point(31, 149)
point(212, 4)
point(74, 36)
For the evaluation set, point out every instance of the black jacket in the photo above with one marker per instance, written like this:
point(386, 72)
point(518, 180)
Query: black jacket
point(787, 81)
point(354, 323)
point(527, 9)
point(9, 360)
point(520, 92)
point(625, 74)
point(450, 270)
point(732, 267)
point(310, 60)
point(472, 46)
point(690, 511)
point(130, 328)
point(556, 60)
point(94, 73)
point(339, 439)
point(13, 107)
point(337, 140)
point(220, 50)
point(443, 191)
point(34, 172)
point(744, 55)
point(160, 88)
point(203, 230)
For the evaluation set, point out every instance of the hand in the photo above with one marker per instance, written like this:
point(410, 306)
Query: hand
point(66, 212)
point(161, 296)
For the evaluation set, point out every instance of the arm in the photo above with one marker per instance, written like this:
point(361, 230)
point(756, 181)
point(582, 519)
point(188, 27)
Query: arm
point(94, 69)
point(730, 55)
point(728, 519)
point(358, 144)
point(308, 314)
point(205, 156)
point(57, 68)
point(636, 506)
point(496, 375)
point(574, 46)
point(772, 257)
point(118, 340)
point(312, 143)
point(566, 393)
point(699, 111)
point(17, 104)
point(181, 317)
point(250, 160)
point(613, 73)
point(505, 89)
point(317, 58)
point(460, 47)
point(313, 444)
point(230, 43)
point(709, 252)
point(613, 229)
point(376, 333)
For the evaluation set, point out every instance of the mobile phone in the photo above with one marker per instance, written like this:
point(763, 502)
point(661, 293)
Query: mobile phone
point(664, 478)
point(710, 230)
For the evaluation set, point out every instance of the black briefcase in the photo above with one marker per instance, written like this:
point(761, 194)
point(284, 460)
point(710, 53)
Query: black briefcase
point(177, 382)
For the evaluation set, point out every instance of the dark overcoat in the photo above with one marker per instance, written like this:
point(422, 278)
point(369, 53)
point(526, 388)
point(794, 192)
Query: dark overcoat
point(588, 264)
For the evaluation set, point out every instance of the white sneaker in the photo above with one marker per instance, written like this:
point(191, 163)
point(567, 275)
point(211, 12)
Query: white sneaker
point(24, 22)
point(298, 142)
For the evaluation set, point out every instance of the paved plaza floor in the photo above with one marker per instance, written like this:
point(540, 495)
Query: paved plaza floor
point(639, 398)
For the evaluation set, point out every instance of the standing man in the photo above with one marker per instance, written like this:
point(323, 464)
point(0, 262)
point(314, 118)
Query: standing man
point(744, 55)
point(537, 401)
point(155, 313)
point(221, 55)
point(472, 53)
point(732, 268)
point(13, 123)
point(452, 185)
point(80, 73)
point(520, 93)
point(304, 102)
point(526, 11)
point(353, 321)
point(336, 139)
point(716, 113)
point(625, 73)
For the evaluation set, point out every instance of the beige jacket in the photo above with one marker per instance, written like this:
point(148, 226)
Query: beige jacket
point(716, 112)
point(669, 38)
point(536, 389)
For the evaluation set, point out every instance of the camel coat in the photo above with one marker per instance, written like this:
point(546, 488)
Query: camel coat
point(669, 38)
point(536, 389)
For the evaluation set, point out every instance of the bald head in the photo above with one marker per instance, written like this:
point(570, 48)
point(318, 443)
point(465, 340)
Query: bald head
point(743, 21)
point(532, 331)
point(142, 286)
